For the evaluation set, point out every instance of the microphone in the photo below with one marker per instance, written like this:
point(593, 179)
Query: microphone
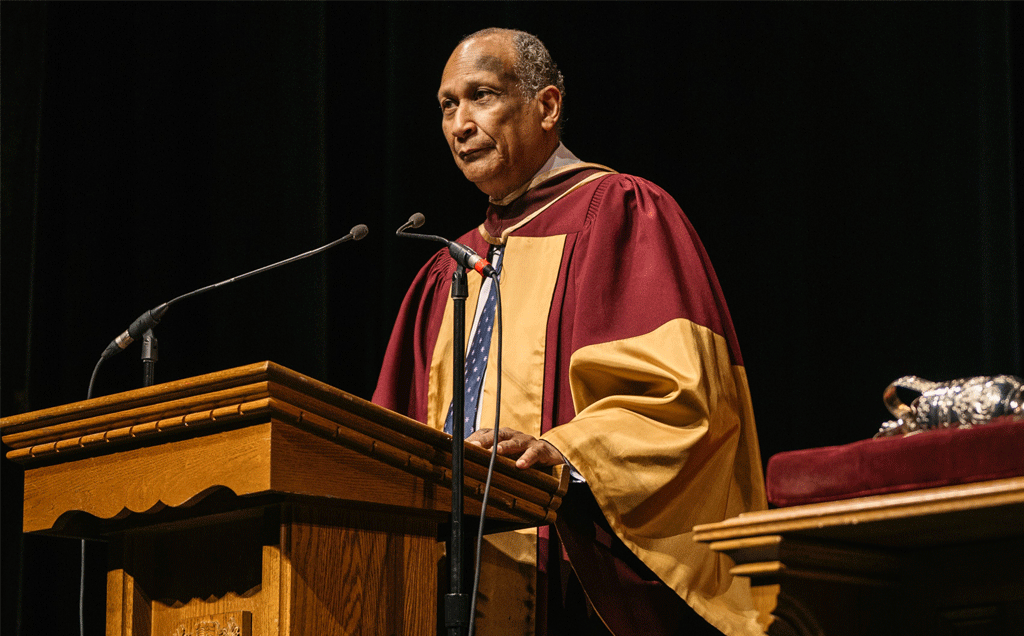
point(150, 319)
point(463, 255)
point(469, 259)
point(415, 220)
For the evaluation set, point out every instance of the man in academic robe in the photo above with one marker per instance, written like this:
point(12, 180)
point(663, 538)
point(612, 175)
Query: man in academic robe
point(619, 360)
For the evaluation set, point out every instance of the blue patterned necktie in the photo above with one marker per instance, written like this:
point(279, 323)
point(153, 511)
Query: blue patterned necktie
point(476, 357)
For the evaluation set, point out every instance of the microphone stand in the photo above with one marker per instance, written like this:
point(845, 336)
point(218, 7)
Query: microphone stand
point(457, 608)
point(150, 355)
point(456, 603)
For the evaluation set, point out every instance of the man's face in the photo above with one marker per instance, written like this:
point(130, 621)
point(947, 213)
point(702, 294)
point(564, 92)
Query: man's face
point(496, 139)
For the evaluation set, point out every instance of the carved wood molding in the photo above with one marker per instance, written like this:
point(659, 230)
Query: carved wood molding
point(193, 419)
point(507, 492)
point(159, 425)
point(255, 391)
point(227, 624)
point(772, 558)
point(897, 515)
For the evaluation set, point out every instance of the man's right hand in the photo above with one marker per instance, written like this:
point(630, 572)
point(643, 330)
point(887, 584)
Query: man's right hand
point(529, 450)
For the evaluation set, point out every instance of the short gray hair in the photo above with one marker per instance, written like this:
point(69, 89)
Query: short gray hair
point(534, 69)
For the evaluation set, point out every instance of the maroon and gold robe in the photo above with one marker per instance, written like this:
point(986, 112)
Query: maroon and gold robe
point(619, 350)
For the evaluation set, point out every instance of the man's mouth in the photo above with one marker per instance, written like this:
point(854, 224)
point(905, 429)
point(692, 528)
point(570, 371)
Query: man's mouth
point(472, 153)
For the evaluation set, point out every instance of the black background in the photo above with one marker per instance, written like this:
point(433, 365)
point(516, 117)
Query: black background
point(851, 168)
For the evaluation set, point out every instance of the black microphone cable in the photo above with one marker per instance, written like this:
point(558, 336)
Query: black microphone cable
point(494, 455)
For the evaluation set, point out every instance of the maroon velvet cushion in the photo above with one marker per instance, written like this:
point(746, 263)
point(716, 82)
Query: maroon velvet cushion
point(893, 464)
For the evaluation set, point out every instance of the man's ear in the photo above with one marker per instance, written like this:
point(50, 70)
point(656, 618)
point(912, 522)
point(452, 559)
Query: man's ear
point(549, 101)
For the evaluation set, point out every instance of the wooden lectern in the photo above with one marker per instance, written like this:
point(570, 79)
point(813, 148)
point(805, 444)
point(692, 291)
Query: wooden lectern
point(258, 501)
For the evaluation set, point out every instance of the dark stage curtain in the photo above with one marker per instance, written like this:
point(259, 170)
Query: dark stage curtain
point(851, 168)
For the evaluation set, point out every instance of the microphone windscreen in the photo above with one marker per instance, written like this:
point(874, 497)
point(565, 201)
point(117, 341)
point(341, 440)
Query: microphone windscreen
point(417, 220)
point(358, 232)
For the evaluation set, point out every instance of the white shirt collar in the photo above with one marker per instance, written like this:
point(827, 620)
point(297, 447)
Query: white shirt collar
point(560, 158)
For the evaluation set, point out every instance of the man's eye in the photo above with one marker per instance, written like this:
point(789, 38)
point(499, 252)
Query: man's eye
point(447, 106)
point(482, 94)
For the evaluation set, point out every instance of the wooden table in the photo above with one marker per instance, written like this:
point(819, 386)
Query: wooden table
point(944, 560)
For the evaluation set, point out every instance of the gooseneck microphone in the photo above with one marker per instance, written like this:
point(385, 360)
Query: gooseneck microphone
point(462, 254)
point(415, 220)
point(151, 318)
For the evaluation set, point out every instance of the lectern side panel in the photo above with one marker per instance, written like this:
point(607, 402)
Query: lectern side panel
point(305, 464)
point(377, 474)
point(362, 573)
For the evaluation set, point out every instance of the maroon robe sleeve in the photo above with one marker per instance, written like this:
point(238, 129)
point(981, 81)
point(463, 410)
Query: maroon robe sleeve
point(661, 425)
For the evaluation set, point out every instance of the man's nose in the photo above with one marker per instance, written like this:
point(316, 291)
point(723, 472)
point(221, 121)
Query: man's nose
point(463, 123)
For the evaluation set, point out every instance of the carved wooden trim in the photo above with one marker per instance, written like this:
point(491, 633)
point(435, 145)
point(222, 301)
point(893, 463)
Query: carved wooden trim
point(428, 462)
point(264, 392)
point(111, 412)
point(227, 624)
point(193, 419)
point(773, 558)
point(829, 518)
point(157, 421)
